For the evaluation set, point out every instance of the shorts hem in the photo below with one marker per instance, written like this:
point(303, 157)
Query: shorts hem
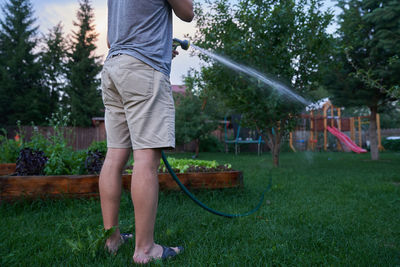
point(118, 146)
point(155, 146)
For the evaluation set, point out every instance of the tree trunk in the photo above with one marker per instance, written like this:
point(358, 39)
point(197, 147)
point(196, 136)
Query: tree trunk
point(274, 143)
point(197, 149)
point(275, 154)
point(373, 139)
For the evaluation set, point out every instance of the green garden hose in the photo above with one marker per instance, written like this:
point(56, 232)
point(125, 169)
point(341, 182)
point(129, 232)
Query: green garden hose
point(201, 204)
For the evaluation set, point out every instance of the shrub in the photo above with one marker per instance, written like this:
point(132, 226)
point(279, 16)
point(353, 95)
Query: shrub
point(9, 148)
point(211, 144)
point(391, 145)
point(100, 146)
point(38, 141)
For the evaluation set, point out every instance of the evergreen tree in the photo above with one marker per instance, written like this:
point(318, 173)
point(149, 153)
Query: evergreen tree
point(83, 96)
point(22, 96)
point(53, 62)
point(366, 66)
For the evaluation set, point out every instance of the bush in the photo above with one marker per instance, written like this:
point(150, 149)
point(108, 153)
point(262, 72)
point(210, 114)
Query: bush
point(99, 147)
point(391, 145)
point(38, 141)
point(211, 144)
point(9, 149)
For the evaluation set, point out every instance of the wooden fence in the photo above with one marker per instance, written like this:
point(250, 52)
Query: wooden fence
point(77, 137)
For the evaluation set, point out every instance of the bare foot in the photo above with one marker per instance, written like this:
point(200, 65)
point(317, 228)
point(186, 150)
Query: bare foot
point(156, 252)
point(114, 242)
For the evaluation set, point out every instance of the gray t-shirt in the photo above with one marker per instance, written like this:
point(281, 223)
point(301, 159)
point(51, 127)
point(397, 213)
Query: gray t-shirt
point(142, 29)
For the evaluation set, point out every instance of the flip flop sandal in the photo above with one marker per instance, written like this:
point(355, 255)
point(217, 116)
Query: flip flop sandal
point(168, 252)
point(126, 237)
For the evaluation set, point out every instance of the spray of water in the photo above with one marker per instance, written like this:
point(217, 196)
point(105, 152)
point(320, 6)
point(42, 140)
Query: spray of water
point(277, 86)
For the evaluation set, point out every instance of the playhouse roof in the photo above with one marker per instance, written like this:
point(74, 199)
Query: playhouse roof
point(317, 105)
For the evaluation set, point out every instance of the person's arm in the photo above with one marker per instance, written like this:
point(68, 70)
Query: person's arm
point(183, 9)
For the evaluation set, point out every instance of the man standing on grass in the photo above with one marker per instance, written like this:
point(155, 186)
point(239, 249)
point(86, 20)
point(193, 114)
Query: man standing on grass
point(139, 113)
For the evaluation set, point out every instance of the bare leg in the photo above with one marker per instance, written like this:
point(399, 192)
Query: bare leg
point(144, 189)
point(110, 192)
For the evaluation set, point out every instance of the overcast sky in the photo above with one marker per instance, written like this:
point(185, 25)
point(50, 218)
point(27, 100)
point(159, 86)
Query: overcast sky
point(50, 12)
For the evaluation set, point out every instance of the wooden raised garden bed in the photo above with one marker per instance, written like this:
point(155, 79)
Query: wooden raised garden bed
point(12, 187)
point(7, 168)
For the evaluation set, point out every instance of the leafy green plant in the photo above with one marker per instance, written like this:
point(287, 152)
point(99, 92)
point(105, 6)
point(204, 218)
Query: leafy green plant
point(9, 148)
point(94, 243)
point(38, 141)
point(100, 146)
point(62, 158)
point(183, 165)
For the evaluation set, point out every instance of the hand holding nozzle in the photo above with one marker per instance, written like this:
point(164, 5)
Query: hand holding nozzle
point(184, 44)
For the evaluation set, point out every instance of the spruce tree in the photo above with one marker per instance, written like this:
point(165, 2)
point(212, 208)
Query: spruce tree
point(83, 96)
point(22, 96)
point(53, 61)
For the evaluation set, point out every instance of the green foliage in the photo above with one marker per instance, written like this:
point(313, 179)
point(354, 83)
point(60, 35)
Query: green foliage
point(192, 122)
point(53, 57)
point(286, 39)
point(61, 157)
point(9, 148)
point(211, 144)
point(390, 116)
point(391, 145)
point(22, 95)
point(99, 146)
point(83, 96)
point(63, 160)
point(183, 164)
point(38, 141)
point(93, 242)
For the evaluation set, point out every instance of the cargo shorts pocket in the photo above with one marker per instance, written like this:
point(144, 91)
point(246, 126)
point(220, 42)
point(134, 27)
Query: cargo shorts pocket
point(136, 84)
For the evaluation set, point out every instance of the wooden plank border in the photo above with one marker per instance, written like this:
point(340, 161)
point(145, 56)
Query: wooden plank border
point(12, 187)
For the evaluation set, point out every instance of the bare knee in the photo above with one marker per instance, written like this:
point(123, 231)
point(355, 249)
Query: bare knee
point(148, 159)
point(116, 158)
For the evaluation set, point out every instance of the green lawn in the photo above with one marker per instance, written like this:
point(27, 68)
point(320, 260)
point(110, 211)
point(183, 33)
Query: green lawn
point(335, 209)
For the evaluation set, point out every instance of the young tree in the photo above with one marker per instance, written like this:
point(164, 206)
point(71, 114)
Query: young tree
point(22, 95)
point(365, 69)
point(197, 113)
point(53, 61)
point(83, 97)
point(287, 39)
point(192, 122)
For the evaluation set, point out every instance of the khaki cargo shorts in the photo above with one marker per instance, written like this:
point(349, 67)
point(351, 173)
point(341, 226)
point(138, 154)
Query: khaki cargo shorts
point(139, 107)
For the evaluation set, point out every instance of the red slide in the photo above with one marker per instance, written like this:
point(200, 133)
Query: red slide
point(346, 140)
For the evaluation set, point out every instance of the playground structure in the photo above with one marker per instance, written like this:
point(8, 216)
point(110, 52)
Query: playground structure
point(329, 119)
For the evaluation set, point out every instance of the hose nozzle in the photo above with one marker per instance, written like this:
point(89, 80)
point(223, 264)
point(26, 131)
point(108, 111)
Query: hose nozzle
point(184, 44)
